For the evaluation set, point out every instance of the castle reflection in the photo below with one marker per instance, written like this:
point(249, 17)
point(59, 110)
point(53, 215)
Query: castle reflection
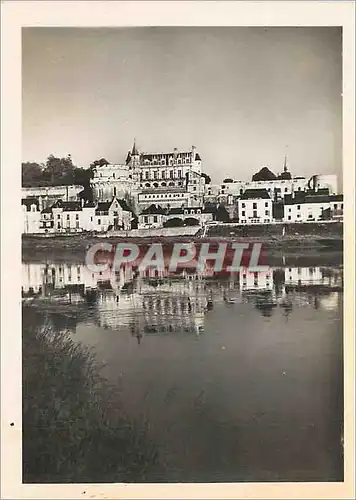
point(157, 302)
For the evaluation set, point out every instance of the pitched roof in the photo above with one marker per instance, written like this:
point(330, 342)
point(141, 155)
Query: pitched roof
point(134, 149)
point(153, 210)
point(89, 204)
point(123, 204)
point(72, 206)
point(265, 174)
point(251, 194)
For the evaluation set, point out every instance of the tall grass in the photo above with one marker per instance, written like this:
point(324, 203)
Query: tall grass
point(74, 428)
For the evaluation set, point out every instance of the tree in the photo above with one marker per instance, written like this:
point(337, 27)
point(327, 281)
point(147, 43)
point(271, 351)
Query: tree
point(60, 170)
point(100, 163)
point(32, 174)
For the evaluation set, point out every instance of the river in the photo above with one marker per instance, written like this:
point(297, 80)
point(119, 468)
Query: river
point(238, 379)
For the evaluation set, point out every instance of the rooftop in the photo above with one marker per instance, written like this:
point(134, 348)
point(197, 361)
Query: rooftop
point(252, 194)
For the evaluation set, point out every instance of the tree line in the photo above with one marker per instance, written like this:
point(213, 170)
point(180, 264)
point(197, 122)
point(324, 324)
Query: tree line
point(58, 172)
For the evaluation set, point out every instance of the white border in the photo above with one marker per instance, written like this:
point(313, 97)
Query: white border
point(83, 13)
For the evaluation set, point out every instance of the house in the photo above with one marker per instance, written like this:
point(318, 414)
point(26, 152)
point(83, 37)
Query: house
point(114, 214)
point(189, 216)
point(47, 221)
point(310, 206)
point(67, 216)
point(152, 217)
point(255, 206)
point(31, 215)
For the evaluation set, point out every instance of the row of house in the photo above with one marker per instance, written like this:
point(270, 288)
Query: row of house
point(75, 216)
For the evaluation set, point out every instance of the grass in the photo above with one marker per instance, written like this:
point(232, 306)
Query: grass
point(74, 428)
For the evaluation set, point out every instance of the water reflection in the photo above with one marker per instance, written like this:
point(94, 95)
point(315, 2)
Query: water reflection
point(157, 302)
point(239, 377)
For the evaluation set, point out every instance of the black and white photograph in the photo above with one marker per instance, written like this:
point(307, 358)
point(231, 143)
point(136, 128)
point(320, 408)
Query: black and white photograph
point(182, 254)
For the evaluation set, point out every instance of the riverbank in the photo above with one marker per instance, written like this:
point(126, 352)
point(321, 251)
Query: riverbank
point(296, 240)
point(75, 429)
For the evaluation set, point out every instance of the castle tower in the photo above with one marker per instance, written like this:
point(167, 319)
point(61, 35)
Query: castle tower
point(134, 163)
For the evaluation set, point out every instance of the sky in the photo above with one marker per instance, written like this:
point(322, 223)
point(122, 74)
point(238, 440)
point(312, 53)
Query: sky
point(245, 97)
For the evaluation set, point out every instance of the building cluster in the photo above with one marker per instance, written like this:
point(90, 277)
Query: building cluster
point(169, 189)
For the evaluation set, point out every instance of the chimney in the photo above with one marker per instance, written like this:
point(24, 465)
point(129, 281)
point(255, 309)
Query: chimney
point(40, 204)
point(175, 152)
point(193, 152)
point(82, 202)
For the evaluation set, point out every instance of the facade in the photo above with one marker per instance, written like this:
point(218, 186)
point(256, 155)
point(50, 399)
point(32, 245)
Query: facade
point(112, 180)
point(255, 207)
point(75, 216)
point(31, 216)
point(172, 179)
point(152, 217)
point(313, 206)
point(156, 216)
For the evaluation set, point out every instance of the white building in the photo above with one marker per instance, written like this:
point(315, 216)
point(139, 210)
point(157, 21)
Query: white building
point(114, 214)
point(112, 181)
point(313, 206)
point(152, 217)
point(255, 207)
point(31, 216)
point(156, 216)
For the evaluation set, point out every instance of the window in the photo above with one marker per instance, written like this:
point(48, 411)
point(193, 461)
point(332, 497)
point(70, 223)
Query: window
point(58, 216)
point(289, 217)
point(289, 209)
point(67, 216)
point(113, 175)
point(342, 206)
point(59, 225)
point(285, 190)
point(77, 224)
point(298, 207)
point(163, 175)
point(145, 219)
point(99, 222)
point(266, 204)
point(171, 174)
point(255, 214)
point(254, 206)
point(114, 190)
point(243, 213)
point(267, 212)
point(77, 216)
point(91, 219)
point(155, 218)
point(243, 205)
point(335, 206)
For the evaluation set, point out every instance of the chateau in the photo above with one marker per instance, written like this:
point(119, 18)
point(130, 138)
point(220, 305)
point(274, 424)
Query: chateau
point(172, 180)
